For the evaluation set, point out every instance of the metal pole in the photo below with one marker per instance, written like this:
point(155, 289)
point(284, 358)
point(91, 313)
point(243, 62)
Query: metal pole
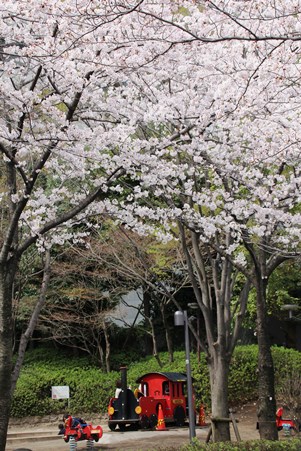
point(189, 380)
point(198, 332)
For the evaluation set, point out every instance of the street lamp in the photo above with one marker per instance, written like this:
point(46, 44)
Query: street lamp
point(290, 308)
point(181, 319)
point(293, 320)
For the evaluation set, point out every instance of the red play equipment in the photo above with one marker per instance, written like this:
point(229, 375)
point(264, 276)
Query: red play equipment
point(80, 430)
point(164, 390)
point(285, 422)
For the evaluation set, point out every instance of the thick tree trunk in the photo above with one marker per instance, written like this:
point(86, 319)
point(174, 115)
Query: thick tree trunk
point(6, 335)
point(219, 371)
point(266, 391)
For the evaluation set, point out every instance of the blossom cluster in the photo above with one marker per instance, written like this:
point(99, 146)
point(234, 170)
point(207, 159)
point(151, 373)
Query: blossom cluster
point(172, 111)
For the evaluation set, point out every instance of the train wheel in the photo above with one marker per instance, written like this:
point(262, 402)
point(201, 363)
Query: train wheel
point(153, 420)
point(144, 422)
point(179, 416)
point(121, 426)
point(112, 426)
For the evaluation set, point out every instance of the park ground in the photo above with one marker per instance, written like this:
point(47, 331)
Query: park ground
point(44, 434)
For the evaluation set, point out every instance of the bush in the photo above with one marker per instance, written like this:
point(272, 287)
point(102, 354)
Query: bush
point(90, 388)
point(243, 368)
point(252, 445)
point(287, 364)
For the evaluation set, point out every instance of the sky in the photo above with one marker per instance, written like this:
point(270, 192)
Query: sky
point(126, 312)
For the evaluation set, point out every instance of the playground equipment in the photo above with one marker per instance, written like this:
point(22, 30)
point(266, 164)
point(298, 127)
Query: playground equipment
point(164, 389)
point(289, 425)
point(78, 430)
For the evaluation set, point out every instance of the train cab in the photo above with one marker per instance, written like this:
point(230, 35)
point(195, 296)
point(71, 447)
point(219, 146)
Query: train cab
point(140, 408)
point(169, 390)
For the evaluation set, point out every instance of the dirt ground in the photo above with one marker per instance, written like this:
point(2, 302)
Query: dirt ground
point(171, 438)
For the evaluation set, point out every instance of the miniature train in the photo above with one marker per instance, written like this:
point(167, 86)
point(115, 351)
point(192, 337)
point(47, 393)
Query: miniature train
point(141, 411)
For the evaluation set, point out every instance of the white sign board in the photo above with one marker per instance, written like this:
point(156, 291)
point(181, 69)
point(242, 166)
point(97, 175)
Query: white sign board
point(60, 392)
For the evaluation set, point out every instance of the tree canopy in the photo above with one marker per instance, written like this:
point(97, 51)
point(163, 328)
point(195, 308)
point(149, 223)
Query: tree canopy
point(181, 120)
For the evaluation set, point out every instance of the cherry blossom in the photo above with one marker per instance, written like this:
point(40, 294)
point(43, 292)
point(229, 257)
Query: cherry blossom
point(193, 104)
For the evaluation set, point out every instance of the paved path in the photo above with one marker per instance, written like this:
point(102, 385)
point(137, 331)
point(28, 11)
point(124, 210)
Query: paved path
point(130, 440)
point(43, 437)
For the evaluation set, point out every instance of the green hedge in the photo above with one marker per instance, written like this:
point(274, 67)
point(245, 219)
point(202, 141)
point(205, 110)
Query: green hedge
point(252, 445)
point(90, 388)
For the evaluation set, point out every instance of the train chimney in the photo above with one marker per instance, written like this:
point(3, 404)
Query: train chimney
point(123, 372)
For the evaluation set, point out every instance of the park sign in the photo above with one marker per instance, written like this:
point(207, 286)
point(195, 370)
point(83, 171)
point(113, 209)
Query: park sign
point(60, 392)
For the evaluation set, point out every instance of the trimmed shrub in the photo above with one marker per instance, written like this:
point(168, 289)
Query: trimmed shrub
point(91, 389)
point(243, 376)
point(252, 445)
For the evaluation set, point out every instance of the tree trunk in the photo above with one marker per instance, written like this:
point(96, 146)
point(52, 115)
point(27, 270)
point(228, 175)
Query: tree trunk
point(101, 356)
point(152, 333)
point(219, 372)
point(155, 347)
point(167, 332)
point(32, 323)
point(7, 273)
point(108, 346)
point(212, 279)
point(266, 410)
point(147, 314)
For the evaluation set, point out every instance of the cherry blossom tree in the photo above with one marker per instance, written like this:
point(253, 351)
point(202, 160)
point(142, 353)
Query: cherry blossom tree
point(48, 144)
point(219, 130)
point(218, 125)
point(177, 118)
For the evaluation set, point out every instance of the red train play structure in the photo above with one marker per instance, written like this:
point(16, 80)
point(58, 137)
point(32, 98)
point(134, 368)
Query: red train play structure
point(141, 411)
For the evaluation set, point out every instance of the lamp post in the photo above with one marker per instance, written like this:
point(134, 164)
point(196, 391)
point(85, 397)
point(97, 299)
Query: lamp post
point(294, 321)
point(195, 306)
point(290, 308)
point(181, 319)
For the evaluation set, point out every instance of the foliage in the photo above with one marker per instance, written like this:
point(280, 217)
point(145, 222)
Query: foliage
point(90, 389)
point(284, 286)
point(288, 379)
point(131, 357)
point(198, 107)
point(243, 368)
point(252, 445)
